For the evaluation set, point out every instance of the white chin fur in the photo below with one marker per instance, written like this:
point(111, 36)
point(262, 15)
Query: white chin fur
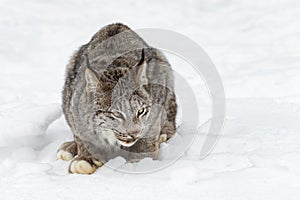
point(110, 136)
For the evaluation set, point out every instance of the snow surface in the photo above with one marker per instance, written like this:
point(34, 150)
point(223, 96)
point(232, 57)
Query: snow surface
point(255, 46)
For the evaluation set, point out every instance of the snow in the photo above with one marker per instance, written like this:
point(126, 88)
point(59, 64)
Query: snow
point(20, 122)
point(255, 46)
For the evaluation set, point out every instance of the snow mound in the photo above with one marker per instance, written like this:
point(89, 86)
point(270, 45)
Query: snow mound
point(19, 123)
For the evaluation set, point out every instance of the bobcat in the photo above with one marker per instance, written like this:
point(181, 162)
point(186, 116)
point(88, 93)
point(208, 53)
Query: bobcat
point(118, 99)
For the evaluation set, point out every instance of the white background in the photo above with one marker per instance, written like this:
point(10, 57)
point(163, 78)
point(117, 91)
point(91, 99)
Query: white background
point(256, 48)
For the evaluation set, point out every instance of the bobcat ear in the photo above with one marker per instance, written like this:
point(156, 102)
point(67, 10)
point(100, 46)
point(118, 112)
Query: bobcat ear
point(141, 75)
point(92, 82)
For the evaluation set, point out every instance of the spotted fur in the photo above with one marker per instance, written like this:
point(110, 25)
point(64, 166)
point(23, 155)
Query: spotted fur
point(118, 99)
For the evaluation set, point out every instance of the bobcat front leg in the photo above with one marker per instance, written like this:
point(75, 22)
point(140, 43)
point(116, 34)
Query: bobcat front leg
point(144, 147)
point(169, 127)
point(85, 163)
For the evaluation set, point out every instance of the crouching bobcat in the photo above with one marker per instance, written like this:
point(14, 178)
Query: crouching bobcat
point(118, 99)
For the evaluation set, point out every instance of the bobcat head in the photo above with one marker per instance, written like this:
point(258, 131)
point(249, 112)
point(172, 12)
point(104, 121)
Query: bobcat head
point(121, 110)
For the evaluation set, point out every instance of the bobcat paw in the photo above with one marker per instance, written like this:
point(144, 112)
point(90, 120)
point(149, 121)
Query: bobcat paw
point(79, 166)
point(64, 155)
point(163, 138)
point(67, 151)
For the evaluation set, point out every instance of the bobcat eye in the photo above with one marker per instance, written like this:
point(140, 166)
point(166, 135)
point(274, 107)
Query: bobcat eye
point(141, 111)
point(117, 115)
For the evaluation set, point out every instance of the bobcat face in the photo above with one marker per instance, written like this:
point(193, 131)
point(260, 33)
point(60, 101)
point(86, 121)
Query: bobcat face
point(124, 120)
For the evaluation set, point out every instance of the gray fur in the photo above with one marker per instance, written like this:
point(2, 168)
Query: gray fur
point(108, 81)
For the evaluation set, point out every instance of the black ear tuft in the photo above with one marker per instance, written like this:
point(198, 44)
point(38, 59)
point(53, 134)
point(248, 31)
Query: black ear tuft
point(142, 58)
point(141, 69)
point(87, 62)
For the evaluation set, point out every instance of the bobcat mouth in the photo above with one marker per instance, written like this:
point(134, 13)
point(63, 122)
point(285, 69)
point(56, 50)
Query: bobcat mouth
point(126, 141)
